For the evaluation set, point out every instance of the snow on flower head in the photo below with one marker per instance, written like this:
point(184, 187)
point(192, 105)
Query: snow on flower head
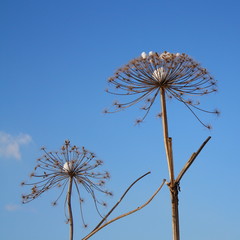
point(68, 166)
point(151, 53)
point(159, 74)
point(144, 55)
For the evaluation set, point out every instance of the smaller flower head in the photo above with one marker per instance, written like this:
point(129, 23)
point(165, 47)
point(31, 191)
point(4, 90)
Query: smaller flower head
point(56, 169)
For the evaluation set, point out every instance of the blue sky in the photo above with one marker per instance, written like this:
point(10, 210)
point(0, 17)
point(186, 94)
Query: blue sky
point(55, 58)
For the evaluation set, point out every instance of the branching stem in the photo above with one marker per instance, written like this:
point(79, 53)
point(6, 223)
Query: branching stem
point(108, 214)
point(172, 186)
point(125, 214)
point(190, 161)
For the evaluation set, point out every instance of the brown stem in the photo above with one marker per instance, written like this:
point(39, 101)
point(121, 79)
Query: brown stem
point(108, 214)
point(69, 195)
point(167, 140)
point(190, 161)
point(172, 186)
point(175, 216)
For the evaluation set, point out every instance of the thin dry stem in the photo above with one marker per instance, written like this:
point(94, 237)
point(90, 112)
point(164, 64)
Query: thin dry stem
point(175, 215)
point(167, 141)
point(190, 161)
point(169, 154)
point(69, 196)
point(125, 214)
point(107, 215)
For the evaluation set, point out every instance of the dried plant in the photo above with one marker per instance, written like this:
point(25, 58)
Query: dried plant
point(164, 74)
point(69, 166)
point(106, 222)
point(175, 75)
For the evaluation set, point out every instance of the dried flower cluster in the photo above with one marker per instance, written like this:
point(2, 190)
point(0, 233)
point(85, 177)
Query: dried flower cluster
point(55, 169)
point(178, 74)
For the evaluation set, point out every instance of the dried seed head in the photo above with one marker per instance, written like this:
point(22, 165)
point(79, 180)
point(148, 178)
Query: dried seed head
point(105, 111)
point(99, 162)
point(217, 112)
point(209, 126)
point(101, 183)
point(177, 73)
point(138, 121)
point(55, 169)
point(107, 175)
point(67, 142)
point(109, 193)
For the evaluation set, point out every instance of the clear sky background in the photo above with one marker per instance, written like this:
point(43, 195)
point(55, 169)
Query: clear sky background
point(55, 58)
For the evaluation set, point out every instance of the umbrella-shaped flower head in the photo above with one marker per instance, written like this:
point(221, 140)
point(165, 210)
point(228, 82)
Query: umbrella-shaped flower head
point(57, 169)
point(178, 75)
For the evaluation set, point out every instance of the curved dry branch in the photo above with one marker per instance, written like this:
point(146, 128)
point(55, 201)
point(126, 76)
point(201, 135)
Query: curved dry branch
point(125, 214)
point(107, 215)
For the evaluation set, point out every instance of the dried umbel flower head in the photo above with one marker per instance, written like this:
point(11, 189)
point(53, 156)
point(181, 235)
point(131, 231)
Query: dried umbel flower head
point(175, 74)
point(70, 164)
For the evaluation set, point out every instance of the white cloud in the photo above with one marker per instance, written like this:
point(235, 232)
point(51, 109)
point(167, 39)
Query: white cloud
point(10, 145)
point(12, 207)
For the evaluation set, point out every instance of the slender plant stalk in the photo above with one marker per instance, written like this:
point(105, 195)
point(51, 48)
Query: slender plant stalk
point(69, 196)
point(177, 75)
point(166, 138)
point(172, 186)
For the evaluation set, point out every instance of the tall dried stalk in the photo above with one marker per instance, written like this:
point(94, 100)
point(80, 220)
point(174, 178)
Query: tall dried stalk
point(173, 75)
point(172, 186)
point(174, 183)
